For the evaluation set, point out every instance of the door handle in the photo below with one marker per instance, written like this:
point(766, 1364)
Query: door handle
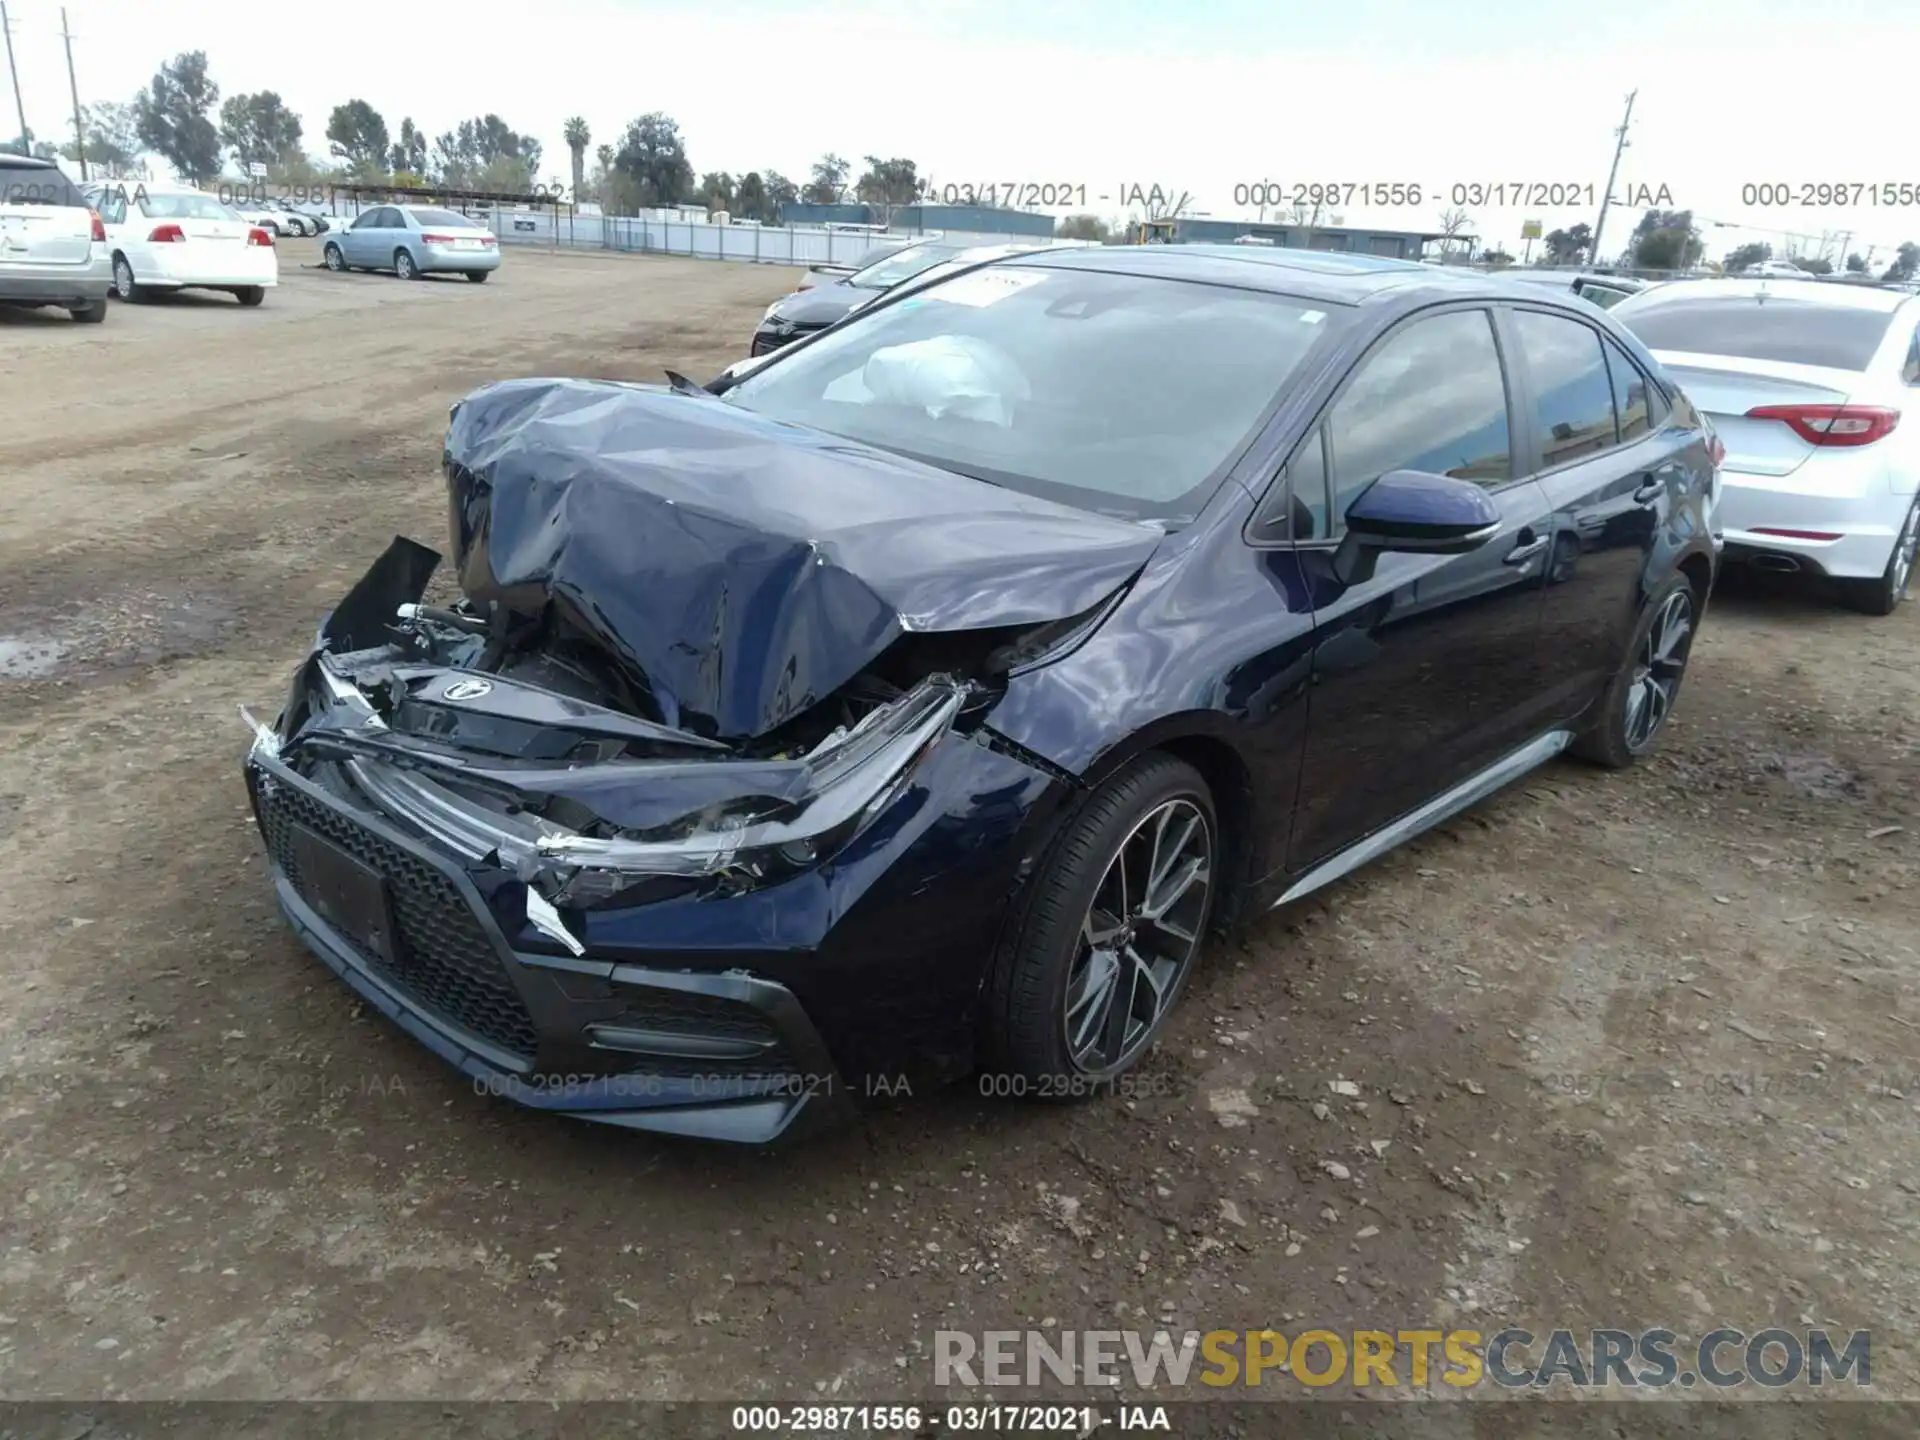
point(1651, 489)
point(1525, 551)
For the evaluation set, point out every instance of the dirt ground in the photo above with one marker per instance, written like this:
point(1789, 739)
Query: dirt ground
point(1631, 1050)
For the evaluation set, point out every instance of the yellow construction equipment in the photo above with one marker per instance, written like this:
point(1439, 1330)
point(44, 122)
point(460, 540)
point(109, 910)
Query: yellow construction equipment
point(1150, 232)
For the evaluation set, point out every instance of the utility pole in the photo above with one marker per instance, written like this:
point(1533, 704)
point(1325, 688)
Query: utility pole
point(19, 105)
point(1612, 171)
point(73, 86)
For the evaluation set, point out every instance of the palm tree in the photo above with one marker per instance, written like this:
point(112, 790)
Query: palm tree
point(577, 135)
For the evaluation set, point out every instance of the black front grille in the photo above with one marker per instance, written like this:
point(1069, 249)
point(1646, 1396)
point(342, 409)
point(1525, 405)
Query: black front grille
point(767, 344)
point(443, 960)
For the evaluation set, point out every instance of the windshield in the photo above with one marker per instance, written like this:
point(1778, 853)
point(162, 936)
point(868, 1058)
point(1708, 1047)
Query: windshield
point(184, 207)
point(444, 219)
point(1117, 393)
point(1755, 327)
point(902, 265)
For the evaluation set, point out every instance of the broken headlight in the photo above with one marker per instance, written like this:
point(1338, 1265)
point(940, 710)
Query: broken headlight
point(854, 775)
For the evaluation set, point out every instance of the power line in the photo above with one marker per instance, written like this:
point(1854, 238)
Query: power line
point(1612, 171)
point(73, 86)
point(19, 103)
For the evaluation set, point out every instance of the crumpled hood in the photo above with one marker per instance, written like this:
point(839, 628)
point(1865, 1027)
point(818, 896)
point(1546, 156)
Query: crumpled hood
point(744, 567)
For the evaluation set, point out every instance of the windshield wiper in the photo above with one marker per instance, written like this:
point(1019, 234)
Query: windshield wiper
point(683, 386)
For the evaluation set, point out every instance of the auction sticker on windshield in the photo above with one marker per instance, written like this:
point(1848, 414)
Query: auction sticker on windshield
point(986, 287)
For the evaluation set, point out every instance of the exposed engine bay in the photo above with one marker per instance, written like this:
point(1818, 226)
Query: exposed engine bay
point(508, 740)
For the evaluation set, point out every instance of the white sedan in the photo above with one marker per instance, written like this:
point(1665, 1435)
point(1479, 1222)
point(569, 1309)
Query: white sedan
point(1810, 385)
point(186, 239)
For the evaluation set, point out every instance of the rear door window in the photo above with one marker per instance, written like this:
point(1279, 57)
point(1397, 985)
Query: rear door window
point(1572, 394)
point(1758, 327)
point(1638, 404)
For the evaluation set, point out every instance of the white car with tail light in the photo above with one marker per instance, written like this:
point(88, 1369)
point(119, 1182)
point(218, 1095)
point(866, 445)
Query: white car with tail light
point(186, 239)
point(53, 249)
point(1809, 385)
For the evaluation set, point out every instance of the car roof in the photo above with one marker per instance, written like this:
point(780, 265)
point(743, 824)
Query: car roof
point(1810, 291)
point(25, 162)
point(1321, 275)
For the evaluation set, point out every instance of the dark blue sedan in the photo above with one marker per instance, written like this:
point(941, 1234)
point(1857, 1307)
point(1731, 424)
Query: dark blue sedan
point(921, 700)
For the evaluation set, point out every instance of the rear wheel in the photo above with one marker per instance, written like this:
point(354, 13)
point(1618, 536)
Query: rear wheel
point(478, 277)
point(404, 267)
point(250, 294)
point(124, 285)
point(1641, 696)
point(1107, 936)
point(92, 314)
point(1883, 596)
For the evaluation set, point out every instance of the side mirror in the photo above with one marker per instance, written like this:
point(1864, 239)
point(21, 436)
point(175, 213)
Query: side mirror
point(1413, 512)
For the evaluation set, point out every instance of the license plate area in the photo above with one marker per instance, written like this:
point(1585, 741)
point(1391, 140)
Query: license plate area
point(350, 896)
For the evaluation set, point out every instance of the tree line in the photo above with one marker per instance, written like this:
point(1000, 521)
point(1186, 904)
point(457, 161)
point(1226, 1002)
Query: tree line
point(182, 117)
point(1671, 240)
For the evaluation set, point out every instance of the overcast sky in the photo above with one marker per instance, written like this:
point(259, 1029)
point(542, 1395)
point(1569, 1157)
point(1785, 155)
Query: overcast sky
point(1192, 95)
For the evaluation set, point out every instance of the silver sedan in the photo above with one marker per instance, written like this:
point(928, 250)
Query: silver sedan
point(412, 241)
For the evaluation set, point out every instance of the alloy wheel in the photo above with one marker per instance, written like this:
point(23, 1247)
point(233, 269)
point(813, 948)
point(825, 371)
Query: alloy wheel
point(123, 278)
point(1657, 669)
point(1139, 937)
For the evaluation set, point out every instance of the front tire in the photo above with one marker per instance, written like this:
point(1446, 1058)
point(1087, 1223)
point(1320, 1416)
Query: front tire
point(1883, 596)
point(335, 261)
point(1108, 932)
point(404, 267)
point(1642, 693)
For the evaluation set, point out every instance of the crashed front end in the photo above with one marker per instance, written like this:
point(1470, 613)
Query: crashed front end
point(505, 835)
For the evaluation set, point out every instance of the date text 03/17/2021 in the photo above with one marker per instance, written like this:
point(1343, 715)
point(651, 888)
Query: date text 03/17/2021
point(1408, 194)
point(916, 1420)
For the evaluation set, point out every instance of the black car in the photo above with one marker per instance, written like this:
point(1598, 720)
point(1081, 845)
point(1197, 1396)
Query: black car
point(1599, 287)
point(922, 700)
point(806, 312)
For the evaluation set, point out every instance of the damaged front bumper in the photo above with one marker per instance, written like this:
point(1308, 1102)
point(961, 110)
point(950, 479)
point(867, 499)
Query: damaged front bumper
point(678, 939)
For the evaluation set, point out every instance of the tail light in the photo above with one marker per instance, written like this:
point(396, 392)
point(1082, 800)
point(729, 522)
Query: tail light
point(258, 235)
point(168, 234)
point(436, 239)
point(99, 229)
point(1716, 449)
point(486, 240)
point(1832, 425)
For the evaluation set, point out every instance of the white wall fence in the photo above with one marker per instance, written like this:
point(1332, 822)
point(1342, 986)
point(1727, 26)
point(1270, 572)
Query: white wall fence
point(766, 245)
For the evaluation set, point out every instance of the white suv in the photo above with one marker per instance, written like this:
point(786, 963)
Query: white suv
point(53, 250)
point(1813, 387)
